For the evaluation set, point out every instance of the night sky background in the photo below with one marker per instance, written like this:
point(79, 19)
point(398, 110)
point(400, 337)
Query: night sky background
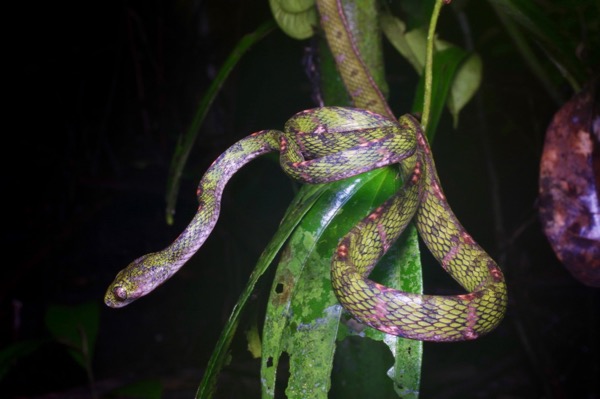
point(103, 90)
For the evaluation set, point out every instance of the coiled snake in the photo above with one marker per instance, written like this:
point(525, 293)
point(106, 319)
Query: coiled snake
point(331, 143)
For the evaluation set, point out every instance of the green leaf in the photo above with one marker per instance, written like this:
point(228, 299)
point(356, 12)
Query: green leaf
point(303, 314)
point(77, 328)
point(465, 84)
point(302, 203)
point(253, 338)
point(296, 18)
point(411, 45)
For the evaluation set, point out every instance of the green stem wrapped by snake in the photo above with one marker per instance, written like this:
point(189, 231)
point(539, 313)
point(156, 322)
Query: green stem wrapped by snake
point(331, 143)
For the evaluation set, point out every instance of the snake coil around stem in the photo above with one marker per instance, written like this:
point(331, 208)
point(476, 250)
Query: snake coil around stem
point(332, 143)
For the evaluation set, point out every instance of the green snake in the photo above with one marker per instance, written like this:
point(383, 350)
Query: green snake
point(331, 143)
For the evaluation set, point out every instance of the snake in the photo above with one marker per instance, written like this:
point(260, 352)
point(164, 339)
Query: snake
point(326, 144)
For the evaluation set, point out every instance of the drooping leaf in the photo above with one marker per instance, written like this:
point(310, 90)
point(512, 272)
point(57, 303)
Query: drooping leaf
point(464, 85)
point(296, 18)
point(395, 31)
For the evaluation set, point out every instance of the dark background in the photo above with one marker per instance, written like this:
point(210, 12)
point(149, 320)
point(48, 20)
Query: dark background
point(104, 90)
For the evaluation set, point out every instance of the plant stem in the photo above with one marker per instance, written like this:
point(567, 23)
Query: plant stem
point(429, 63)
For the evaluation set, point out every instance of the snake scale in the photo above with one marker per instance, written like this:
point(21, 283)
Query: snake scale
point(331, 143)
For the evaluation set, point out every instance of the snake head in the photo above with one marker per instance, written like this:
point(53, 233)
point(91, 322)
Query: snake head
point(133, 282)
point(121, 292)
point(118, 296)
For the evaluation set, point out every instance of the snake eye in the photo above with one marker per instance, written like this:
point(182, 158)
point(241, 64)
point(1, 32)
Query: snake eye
point(120, 293)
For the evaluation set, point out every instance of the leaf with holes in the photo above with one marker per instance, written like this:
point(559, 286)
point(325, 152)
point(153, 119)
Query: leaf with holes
point(303, 315)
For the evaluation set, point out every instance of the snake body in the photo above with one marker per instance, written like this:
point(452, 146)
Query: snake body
point(423, 317)
point(317, 146)
point(331, 143)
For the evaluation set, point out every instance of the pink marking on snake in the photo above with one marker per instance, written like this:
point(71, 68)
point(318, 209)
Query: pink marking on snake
point(470, 333)
point(357, 92)
point(422, 143)
point(342, 251)
point(467, 297)
point(306, 177)
point(437, 191)
point(282, 143)
point(380, 309)
point(320, 129)
point(383, 288)
point(340, 58)
point(300, 164)
point(449, 256)
point(496, 273)
point(392, 330)
point(383, 236)
point(467, 239)
point(376, 213)
point(416, 173)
